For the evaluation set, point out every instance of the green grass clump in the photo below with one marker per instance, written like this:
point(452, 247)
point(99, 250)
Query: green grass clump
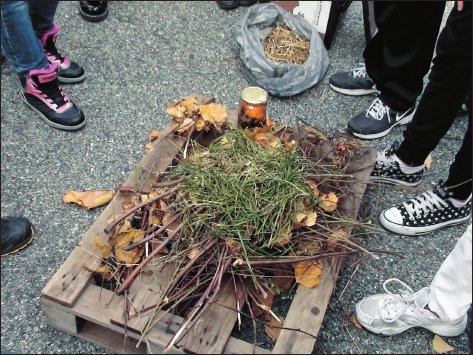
point(249, 193)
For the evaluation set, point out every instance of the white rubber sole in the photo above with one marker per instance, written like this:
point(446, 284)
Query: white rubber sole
point(403, 121)
point(445, 331)
point(394, 181)
point(355, 92)
point(414, 231)
point(52, 124)
point(71, 80)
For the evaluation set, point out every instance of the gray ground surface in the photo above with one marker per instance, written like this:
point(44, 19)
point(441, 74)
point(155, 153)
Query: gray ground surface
point(140, 58)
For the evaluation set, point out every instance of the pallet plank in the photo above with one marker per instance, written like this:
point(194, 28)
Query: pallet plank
point(211, 332)
point(146, 291)
point(308, 307)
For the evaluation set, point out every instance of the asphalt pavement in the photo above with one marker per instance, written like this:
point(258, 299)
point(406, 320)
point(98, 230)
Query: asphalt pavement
point(142, 57)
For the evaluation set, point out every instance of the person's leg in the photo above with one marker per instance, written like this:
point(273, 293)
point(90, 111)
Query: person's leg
point(19, 43)
point(399, 54)
point(42, 15)
point(38, 77)
point(449, 84)
point(441, 308)
point(450, 289)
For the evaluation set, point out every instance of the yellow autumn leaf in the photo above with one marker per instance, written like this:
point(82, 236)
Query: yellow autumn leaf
point(153, 134)
point(308, 273)
point(199, 124)
point(186, 125)
point(89, 199)
point(313, 186)
point(428, 161)
point(190, 105)
point(124, 239)
point(105, 249)
point(440, 346)
point(148, 147)
point(214, 113)
point(270, 329)
point(328, 202)
point(311, 219)
point(176, 110)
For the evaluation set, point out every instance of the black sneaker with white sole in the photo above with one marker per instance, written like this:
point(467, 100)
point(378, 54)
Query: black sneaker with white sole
point(41, 91)
point(355, 82)
point(425, 213)
point(388, 169)
point(69, 72)
point(378, 120)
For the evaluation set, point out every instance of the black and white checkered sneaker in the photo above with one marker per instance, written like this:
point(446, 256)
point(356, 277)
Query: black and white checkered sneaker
point(387, 169)
point(425, 213)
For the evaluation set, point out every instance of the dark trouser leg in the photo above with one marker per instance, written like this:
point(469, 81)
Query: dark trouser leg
point(449, 84)
point(399, 55)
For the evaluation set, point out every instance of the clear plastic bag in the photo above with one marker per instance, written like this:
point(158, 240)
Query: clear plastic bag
point(280, 79)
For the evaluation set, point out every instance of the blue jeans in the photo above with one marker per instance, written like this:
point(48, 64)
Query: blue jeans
point(23, 24)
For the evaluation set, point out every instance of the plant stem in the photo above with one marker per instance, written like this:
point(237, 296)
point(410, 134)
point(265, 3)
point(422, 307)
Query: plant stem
point(129, 280)
point(120, 218)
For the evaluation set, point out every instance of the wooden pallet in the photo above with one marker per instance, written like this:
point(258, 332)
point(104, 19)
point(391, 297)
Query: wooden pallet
point(73, 304)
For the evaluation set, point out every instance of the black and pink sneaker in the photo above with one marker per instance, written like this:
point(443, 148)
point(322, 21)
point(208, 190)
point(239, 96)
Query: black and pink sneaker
point(41, 91)
point(69, 72)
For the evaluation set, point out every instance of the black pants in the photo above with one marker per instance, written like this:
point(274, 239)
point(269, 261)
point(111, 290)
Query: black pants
point(399, 54)
point(450, 81)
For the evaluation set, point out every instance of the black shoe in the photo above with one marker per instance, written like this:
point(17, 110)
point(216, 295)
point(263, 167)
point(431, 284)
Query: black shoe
point(425, 213)
point(69, 71)
point(41, 91)
point(17, 233)
point(248, 2)
point(355, 82)
point(378, 120)
point(387, 169)
point(228, 5)
point(93, 11)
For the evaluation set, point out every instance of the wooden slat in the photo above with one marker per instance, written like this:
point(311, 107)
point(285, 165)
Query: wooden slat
point(211, 332)
point(308, 307)
point(97, 306)
point(146, 291)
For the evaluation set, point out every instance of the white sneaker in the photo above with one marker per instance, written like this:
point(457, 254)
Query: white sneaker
point(390, 314)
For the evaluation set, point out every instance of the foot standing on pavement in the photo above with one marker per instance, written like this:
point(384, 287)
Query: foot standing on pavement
point(441, 308)
point(396, 60)
point(449, 83)
point(29, 36)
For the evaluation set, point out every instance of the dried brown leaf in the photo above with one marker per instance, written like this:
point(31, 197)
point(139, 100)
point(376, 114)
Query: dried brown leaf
point(89, 199)
point(308, 273)
point(440, 346)
point(270, 329)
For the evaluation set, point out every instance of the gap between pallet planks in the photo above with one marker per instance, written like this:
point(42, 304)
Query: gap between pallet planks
point(212, 333)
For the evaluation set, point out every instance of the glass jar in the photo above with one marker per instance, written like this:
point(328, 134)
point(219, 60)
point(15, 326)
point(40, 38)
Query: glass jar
point(252, 112)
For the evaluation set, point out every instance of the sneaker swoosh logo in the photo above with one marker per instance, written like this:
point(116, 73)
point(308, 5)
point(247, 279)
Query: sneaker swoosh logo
point(400, 117)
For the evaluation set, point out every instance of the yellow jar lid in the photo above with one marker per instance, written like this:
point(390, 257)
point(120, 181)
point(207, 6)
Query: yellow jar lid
point(254, 95)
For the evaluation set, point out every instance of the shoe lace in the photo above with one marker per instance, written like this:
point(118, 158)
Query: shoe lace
point(422, 204)
point(385, 157)
point(395, 306)
point(51, 50)
point(54, 93)
point(360, 71)
point(378, 109)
